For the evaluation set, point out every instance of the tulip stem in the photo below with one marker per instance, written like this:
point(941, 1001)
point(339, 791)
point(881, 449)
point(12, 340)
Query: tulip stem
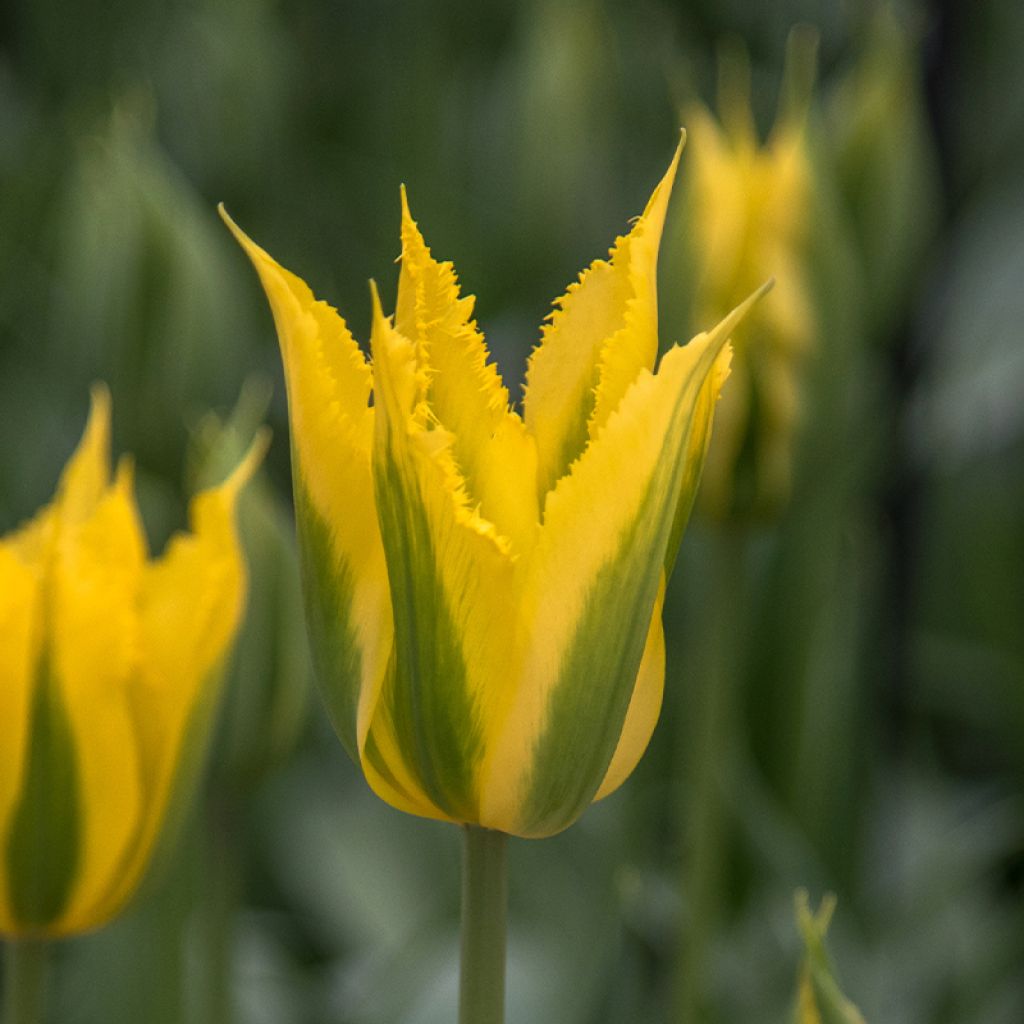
point(484, 901)
point(25, 982)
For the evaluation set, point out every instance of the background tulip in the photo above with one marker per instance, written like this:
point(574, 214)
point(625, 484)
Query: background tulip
point(749, 212)
point(110, 666)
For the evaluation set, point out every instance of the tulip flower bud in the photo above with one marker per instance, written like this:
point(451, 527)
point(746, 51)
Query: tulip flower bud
point(109, 664)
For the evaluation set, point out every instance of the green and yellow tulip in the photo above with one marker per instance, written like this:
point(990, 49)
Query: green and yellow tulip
point(483, 588)
point(109, 666)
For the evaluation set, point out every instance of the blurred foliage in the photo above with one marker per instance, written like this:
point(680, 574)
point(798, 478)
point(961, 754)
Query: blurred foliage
point(870, 740)
point(819, 999)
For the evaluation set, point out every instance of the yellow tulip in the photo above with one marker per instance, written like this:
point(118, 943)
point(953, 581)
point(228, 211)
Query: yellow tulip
point(109, 665)
point(484, 588)
point(749, 219)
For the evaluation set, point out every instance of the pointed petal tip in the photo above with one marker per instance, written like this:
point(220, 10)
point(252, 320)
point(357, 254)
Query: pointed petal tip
point(96, 436)
point(658, 202)
point(99, 398)
point(251, 461)
point(376, 308)
point(680, 146)
point(99, 410)
point(124, 477)
point(222, 212)
point(669, 177)
point(740, 312)
point(411, 236)
point(252, 250)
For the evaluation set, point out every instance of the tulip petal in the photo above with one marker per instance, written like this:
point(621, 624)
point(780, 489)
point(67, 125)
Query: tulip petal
point(190, 603)
point(83, 609)
point(389, 773)
point(697, 445)
point(20, 586)
point(87, 475)
point(450, 574)
point(95, 657)
point(602, 332)
point(495, 454)
point(644, 706)
point(589, 593)
point(42, 851)
point(344, 577)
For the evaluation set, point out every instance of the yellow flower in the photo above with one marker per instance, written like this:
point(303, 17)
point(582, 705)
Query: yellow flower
point(484, 588)
point(749, 219)
point(108, 675)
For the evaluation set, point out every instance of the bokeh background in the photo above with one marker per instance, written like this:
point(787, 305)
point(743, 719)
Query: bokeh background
point(845, 698)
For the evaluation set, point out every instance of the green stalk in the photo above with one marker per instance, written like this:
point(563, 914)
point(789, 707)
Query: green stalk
point(484, 899)
point(25, 982)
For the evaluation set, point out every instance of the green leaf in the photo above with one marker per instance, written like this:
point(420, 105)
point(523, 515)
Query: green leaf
point(819, 999)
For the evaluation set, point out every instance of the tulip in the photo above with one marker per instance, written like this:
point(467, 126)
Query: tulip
point(109, 665)
point(750, 209)
point(483, 589)
point(267, 692)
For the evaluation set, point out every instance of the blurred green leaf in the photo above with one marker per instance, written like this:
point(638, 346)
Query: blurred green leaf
point(819, 1000)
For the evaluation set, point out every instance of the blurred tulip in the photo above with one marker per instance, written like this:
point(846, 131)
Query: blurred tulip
point(268, 690)
point(484, 589)
point(749, 219)
point(110, 666)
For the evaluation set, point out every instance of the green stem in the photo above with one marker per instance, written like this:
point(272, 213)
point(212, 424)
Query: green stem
point(484, 899)
point(25, 982)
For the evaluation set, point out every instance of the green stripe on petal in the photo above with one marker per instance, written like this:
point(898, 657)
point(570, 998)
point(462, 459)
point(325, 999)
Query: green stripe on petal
point(329, 381)
point(44, 842)
point(587, 708)
point(589, 594)
point(450, 573)
point(328, 590)
point(385, 764)
point(697, 449)
point(644, 706)
point(429, 698)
